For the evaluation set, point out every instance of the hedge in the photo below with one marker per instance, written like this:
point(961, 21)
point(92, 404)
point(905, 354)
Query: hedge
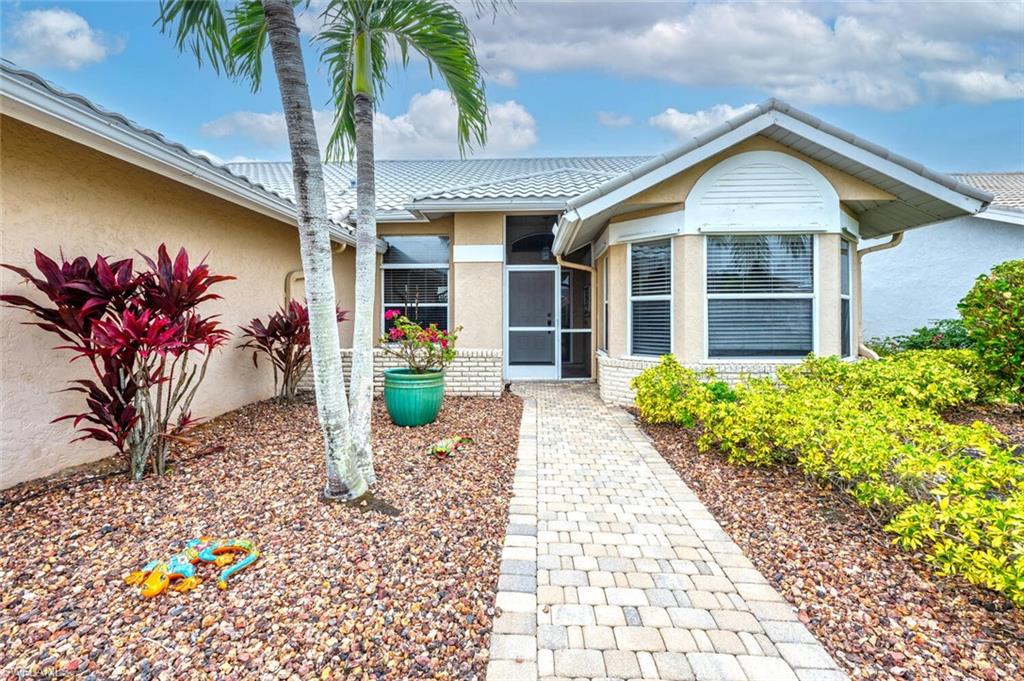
point(874, 430)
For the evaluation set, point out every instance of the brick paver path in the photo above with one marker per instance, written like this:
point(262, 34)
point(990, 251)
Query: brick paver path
point(612, 569)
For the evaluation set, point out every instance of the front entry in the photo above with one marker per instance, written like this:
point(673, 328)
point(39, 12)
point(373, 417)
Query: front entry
point(532, 315)
point(547, 307)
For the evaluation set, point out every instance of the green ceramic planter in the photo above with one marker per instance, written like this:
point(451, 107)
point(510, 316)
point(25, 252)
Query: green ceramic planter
point(413, 399)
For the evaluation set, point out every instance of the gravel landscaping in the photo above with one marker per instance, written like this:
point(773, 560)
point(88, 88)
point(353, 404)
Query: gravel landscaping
point(881, 612)
point(401, 588)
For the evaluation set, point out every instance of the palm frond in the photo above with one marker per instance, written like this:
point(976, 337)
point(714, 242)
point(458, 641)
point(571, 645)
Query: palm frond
point(200, 27)
point(248, 41)
point(438, 31)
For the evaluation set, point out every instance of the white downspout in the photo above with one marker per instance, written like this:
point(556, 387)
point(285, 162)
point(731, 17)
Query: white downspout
point(896, 240)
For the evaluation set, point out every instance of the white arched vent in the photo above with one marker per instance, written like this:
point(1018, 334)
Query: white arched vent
point(762, 191)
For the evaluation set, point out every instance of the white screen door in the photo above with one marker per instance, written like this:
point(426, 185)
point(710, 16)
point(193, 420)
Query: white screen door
point(531, 311)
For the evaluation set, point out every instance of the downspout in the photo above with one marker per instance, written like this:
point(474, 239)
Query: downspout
point(297, 275)
point(896, 240)
point(593, 331)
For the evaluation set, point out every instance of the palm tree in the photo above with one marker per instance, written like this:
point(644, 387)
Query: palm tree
point(203, 27)
point(355, 43)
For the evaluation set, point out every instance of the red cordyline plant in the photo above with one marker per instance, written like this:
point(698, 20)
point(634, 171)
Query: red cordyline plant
point(284, 340)
point(144, 338)
point(422, 349)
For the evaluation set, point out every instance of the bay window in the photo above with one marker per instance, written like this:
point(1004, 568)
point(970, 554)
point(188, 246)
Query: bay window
point(415, 279)
point(650, 298)
point(760, 296)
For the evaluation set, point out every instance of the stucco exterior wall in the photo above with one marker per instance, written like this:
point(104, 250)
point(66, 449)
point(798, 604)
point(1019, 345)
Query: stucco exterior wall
point(56, 194)
point(478, 285)
point(923, 278)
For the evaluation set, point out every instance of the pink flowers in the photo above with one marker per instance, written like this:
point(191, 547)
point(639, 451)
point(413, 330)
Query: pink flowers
point(396, 334)
point(421, 348)
point(391, 314)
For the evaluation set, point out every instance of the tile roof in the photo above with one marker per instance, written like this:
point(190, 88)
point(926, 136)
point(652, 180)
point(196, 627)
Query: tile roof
point(399, 183)
point(1007, 188)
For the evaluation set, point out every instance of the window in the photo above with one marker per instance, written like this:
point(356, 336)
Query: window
point(846, 296)
point(604, 303)
point(528, 239)
point(760, 296)
point(650, 298)
point(415, 272)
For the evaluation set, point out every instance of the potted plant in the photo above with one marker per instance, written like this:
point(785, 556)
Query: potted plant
point(413, 393)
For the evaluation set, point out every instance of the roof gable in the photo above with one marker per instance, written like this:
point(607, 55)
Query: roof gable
point(921, 196)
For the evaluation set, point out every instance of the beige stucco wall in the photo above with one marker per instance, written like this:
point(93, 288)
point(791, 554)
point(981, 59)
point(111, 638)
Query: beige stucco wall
point(478, 286)
point(56, 194)
point(829, 321)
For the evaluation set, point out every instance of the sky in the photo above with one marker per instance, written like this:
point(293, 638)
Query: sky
point(939, 82)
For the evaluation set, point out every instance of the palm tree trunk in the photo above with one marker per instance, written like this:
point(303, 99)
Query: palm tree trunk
point(361, 395)
point(344, 481)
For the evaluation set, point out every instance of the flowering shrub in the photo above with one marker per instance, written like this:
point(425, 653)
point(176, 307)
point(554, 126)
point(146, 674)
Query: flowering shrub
point(993, 312)
point(284, 340)
point(144, 339)
point(422, 349)
point(874, 430)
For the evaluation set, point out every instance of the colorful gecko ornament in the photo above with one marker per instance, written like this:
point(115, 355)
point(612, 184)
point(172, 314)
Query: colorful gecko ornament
point(157, 575)
point(442, 449)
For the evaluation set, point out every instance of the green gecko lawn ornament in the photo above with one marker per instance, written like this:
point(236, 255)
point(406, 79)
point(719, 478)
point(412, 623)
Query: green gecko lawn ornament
point(442, 449)
point(157, 575)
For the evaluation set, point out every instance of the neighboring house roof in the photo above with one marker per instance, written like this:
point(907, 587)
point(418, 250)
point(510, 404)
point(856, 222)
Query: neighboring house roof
point(1007, 190)
point(27, 96)
point(404, 187)
point(923, 196)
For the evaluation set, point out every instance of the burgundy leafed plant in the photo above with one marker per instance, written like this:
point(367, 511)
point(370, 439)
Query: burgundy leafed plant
point(284, 340)
point(146, 342)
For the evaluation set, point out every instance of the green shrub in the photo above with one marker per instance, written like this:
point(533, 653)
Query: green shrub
point(941, 334)
point(993, 312)
point(874, 430)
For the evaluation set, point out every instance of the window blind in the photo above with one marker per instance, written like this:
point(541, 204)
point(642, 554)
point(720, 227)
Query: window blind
point(419, 293)
point(650, 292)
point(760, 328)
point(408, 286)
point(760, 292)
point(761, 264)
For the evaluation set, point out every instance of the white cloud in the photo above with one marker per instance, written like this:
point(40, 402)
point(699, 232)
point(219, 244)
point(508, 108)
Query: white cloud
point(428, 129)
point(59, 38)
point(978, 85)
point(685, 125)
point(506, 77)
point(860, 53)
point(610, 119)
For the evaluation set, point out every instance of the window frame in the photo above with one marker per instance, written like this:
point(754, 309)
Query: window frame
point(446, 266)
point(813, 296)
point(604, 303)
point(851, 250)
point(630, 298)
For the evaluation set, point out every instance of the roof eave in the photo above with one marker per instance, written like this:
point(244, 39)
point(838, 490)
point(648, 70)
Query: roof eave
point(66, 117)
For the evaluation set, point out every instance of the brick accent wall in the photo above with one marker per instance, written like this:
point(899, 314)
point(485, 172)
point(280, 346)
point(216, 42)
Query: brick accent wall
point(475, 372)
point(614, 374)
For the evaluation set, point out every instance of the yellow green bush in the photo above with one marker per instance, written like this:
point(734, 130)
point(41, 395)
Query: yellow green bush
point(874, 430)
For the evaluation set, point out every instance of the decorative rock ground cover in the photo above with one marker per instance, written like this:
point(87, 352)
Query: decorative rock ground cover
point(880, 611)
point(338, 592)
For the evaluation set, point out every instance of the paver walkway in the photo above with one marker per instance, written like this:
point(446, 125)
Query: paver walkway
point(612, 569)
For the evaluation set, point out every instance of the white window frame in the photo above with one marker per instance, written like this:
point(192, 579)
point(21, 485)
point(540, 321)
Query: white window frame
point(631, 298)
point(851, 249)
point(812, 296)
point(604, 308)
point(446, 266)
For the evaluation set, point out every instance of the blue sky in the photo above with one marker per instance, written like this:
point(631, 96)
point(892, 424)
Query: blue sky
point(942, 83)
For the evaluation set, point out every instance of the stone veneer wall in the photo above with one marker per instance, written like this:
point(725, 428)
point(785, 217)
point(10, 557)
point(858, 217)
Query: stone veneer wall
point(474, 372)
point(614, 375)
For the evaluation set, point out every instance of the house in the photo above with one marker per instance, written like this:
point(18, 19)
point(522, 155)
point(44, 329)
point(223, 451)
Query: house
point(921, 281)
point(736, 251)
